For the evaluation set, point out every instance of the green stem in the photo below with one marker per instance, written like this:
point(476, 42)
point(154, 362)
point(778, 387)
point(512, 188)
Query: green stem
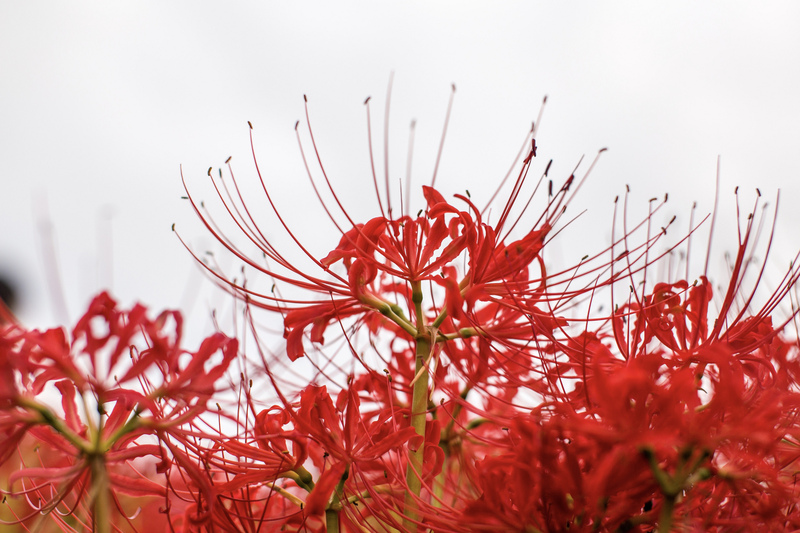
point(332, 521)
point(419, 409)
point(672, 486)
point(285, 493)
point(334, 508)
point(665, 518)
point(55, 422)
point(439, 319)
point(301, 476)
point(100, 497)
point(390, 311)
point(463, 333)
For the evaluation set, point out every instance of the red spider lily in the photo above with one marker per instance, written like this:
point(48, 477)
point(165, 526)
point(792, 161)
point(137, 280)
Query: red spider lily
point(346, 442)
point(704, 408)
point(386, 261)
point(356, 455)
point(485, 389)
point(489, 314)
point(649, 437)
point(385, 258)
point(128, 392)
point(555, 479)
point(677, 313)
point(478, 320)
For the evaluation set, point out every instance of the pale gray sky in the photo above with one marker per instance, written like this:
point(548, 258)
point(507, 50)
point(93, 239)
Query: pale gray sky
point(100, 102)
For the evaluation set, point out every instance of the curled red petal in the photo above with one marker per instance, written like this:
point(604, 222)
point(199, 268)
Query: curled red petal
point(432, 196)
point(360, 274)
point(318, 499)
point(454, 302)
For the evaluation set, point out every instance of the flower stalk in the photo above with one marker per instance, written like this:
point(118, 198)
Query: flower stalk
point(419, 413)
point(100, 496)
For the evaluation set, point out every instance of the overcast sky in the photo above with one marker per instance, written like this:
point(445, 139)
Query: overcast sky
point(102, 102)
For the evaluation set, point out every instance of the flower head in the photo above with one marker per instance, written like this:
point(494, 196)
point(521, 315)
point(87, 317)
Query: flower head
point(128, 393)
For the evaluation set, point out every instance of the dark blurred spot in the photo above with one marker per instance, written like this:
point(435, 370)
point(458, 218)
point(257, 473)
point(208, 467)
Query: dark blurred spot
point(8, 292)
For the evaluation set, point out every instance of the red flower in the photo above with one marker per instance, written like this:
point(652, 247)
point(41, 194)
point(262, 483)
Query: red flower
point(122, 379)
point(479, 398)
point(346, 442)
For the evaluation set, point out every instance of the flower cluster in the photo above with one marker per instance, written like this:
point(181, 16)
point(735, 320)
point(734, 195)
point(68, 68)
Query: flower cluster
point(462, 382)
point(131, 405)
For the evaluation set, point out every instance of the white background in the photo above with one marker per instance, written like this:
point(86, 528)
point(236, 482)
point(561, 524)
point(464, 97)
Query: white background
point(101, 102)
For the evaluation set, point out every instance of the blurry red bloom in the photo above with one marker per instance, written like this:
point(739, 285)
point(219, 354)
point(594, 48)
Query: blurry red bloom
point(128, 392)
